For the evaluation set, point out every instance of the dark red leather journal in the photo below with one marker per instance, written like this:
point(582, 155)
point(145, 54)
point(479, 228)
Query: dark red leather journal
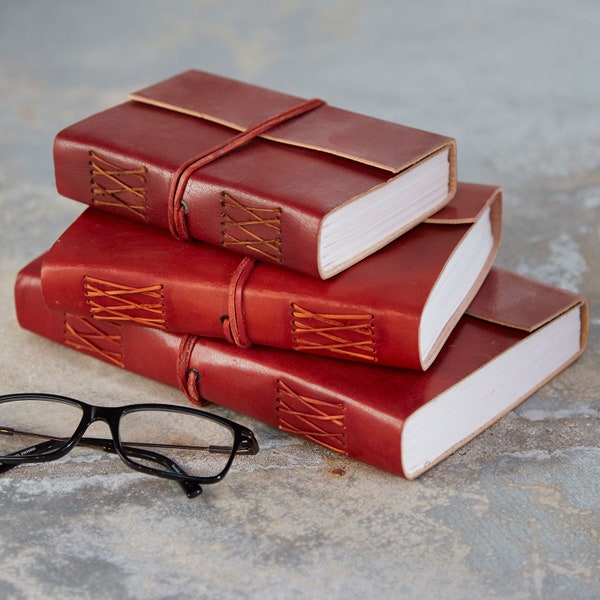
point(517, 334)
point(396, 307)
point(287, 181)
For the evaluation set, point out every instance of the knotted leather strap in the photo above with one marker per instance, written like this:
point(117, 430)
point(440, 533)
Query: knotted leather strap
point(234, 324)
point(176, 209)
point(188, 378)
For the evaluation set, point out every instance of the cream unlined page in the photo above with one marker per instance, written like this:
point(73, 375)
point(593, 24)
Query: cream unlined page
point(375, 219)
point(467, 407)
point(456, 280)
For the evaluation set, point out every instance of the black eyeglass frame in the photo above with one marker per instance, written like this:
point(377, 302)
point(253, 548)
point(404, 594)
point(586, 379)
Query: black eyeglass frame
point(244, 441)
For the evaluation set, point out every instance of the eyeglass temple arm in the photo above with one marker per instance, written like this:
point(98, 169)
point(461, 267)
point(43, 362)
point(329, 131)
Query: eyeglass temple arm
point(248, 444)
point(43, 447)
point(191, 489)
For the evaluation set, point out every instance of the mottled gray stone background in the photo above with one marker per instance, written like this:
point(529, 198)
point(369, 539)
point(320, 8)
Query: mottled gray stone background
point(514, 514)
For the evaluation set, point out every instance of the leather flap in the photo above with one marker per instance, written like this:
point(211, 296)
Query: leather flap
point(512, 300)
point(239, 105)
point(468, 204)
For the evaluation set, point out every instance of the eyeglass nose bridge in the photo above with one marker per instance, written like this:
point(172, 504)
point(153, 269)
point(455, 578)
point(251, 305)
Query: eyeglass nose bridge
point(107, 414)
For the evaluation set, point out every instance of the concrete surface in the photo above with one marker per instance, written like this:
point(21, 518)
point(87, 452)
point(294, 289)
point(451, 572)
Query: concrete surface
point(516, 513)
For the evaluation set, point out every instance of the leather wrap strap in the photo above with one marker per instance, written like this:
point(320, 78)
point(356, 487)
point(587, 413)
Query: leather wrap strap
point(234, 324)
point(176, 208)
point(188, 377)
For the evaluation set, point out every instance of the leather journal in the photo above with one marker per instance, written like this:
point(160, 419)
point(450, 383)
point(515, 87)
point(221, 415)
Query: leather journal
point(396, 307)
point(516, 335)
point(288, 181)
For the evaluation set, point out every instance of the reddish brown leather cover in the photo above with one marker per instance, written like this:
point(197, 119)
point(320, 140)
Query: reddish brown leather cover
point(355, 409)
point(107, 268)
point(278, 186)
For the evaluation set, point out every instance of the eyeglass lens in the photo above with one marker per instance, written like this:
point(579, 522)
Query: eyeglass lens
point(41, 419)
point(200, 446)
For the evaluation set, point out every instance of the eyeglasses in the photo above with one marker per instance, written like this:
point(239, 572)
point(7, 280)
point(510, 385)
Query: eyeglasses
point(196, 447)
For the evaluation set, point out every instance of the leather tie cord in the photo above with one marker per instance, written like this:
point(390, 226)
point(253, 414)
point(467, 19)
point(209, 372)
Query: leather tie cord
point(188, 378)
point(176, 209)
point(234, 324)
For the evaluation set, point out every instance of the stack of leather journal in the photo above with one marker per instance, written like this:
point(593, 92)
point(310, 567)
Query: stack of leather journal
point(316, 269)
